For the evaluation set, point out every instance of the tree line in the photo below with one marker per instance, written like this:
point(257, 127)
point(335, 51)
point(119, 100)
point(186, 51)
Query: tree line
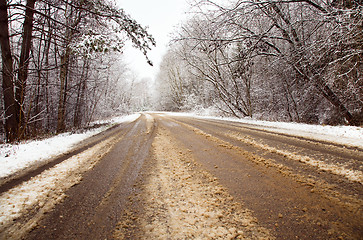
point(295, 60)
point(60, 63)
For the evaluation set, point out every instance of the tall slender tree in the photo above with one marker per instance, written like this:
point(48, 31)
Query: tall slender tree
point(10, 105)
point(42, 52)
point(24, 60)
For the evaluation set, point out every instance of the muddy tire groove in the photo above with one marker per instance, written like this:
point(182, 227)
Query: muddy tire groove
point(182, 201)
point(165, 177)
point(304, 169)
point(23, 176)
point(327, 216)
point(93, 207)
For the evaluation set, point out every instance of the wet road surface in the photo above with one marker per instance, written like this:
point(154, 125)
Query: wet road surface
point(178, 177)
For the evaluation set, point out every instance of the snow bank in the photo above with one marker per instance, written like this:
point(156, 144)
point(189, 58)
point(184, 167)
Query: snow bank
point(345, 135)
point(120, 119)
point(15, 157)
point(42, 192)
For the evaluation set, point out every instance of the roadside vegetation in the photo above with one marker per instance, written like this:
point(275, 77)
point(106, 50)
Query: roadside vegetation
point(62, 64)
point(297, 61)
point(292, 61)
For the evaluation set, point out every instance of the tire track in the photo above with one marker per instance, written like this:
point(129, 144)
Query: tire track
point(305, 168)
point(40, 194)
point(183, 202)
point(304, 204)
point(23, 176)
point(184, 178)
point(93, 207)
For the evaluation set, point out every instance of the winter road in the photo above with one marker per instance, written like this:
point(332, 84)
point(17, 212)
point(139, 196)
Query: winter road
point(178, 177)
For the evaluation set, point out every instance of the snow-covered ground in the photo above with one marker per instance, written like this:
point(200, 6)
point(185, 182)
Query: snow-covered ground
point(345, 135)
point(15, 157)
point(43, 191)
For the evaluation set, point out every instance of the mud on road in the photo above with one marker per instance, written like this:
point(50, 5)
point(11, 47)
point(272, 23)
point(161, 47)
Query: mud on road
point(169, 177)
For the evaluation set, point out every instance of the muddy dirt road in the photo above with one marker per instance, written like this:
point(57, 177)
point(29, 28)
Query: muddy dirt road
point(178, 177)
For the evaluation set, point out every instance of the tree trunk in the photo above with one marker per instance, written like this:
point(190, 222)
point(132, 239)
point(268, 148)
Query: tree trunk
point(62, 92)
point(333, 99)
point(11, 121)
point(46, 86)
point(329, 95)
point(77, 119)
point(77, 107)
point(323, 88)
point(24, 63)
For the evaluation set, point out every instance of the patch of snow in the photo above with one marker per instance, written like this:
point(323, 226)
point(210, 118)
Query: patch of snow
point(345, 135)
point(149, 118)
point(15, 157)
point(336, 168)
point(46, 189)
point(120, 119)
point(182, 202)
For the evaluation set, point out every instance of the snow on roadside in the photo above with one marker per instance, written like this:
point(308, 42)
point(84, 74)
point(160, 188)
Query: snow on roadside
point(15, 157)
point(338, 169)
point(43, 191)
point(346, 135)
point(119, 119)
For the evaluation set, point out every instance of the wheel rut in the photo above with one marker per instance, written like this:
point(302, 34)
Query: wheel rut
point(92, 208)
point(294, 207)
point(169, 177)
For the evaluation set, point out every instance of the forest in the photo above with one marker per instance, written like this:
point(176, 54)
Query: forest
point(280, 60)
point(61, 64)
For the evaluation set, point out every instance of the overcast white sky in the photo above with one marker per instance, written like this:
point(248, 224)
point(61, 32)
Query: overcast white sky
point(161, 16)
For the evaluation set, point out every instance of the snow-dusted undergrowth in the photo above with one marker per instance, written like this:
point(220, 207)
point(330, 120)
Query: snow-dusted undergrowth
point(15, 157)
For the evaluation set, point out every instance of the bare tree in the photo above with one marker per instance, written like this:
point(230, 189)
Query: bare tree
point(10, 105)
point(220, 62)
point(312, 51)
point(57, 37)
